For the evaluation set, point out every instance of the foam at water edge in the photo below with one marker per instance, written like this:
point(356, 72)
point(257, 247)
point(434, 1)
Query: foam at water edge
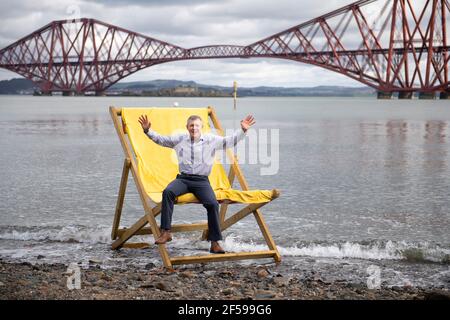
point(388, 250)
point(377, 250)
point(62, 234)
point(346, 250)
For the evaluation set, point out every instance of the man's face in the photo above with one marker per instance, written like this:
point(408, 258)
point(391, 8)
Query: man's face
point(195, 128)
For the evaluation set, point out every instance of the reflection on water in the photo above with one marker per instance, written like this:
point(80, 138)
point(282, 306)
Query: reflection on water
point(83, 125)
point(435, 131)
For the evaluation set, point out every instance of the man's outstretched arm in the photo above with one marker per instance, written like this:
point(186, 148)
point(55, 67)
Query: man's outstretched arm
point(165, 141)
point(238, 135)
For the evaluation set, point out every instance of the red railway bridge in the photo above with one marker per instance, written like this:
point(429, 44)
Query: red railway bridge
point(393, 46)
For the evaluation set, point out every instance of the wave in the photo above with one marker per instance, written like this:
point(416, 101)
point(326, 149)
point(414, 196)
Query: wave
point(70, 234)
point(367, 250)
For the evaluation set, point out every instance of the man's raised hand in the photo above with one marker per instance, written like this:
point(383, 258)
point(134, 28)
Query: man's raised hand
point(145, 123)
point(247, 122)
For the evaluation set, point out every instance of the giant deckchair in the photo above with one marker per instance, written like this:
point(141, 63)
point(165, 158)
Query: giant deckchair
point(153, 167)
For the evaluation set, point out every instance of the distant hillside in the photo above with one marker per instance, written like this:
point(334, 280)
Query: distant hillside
point(162, 85)
point(191, 88)
point(17, 86)
point(153, 84)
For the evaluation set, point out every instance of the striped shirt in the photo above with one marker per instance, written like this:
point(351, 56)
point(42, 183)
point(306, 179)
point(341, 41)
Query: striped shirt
point(196, 157)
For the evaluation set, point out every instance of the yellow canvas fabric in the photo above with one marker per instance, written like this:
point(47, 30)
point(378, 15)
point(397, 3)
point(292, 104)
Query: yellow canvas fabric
point(158, 166)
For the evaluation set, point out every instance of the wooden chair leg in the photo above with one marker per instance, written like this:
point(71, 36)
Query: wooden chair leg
point(130, 232)
point(254, 208)
point(120, 198)
point(162, 247)
point(267, 236)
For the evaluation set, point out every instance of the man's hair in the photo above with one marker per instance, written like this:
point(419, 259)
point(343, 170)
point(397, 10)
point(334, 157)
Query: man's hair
point(193, 118)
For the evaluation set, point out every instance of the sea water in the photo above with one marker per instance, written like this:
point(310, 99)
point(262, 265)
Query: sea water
point(364, 183)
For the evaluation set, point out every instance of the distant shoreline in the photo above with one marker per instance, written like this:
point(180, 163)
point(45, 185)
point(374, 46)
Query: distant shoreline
point(200, 97)
point(138, 96)
point(177, 88)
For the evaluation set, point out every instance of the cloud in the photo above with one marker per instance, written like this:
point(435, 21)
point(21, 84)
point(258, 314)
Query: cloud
point(153, 3)
point(248, 73)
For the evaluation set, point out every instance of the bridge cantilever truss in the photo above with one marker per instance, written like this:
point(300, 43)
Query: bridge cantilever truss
point(391, 45)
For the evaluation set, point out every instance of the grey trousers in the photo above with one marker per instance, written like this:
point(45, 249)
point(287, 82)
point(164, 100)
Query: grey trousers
point(201, 188)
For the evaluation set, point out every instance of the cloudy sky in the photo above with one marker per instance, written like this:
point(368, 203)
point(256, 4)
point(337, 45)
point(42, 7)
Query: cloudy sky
point(189, 23)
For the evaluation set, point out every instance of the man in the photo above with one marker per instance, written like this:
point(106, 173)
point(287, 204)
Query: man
point(195, 152)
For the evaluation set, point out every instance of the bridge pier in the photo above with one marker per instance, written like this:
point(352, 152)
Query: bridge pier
point(427, 95)
point(444, 95)
point(46, 93)
point(67, 94)
point(382, 95)
point(100, 93)
point(403, 95)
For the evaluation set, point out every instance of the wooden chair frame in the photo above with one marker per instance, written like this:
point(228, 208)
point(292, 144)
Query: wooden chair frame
point(151, 209)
